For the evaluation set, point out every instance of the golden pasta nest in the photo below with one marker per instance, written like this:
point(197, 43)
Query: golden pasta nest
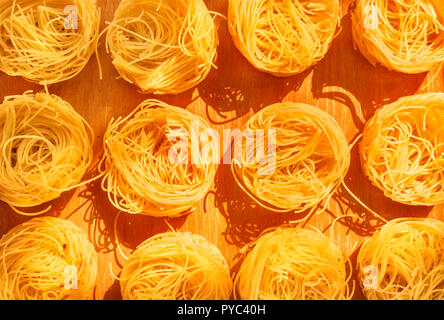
point(402, 35)
point(289, 263)
point(155, 162)
point(299, 158)
point(402, 151)
point(176, 266)
point(47, 259)
point(45, 149)
point(283, 38)
point(47, 41)
point(163, 47)
point(404, 261)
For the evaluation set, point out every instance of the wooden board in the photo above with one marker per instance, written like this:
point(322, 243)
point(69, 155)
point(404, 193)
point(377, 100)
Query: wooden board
point(344, 84)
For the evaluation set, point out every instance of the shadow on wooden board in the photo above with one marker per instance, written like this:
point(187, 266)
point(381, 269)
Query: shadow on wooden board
point(245, 219)
point(235, 86)
point(113, 292)
point(9, 218)
point(360, 220)
point(346, 68)
point(131, 229)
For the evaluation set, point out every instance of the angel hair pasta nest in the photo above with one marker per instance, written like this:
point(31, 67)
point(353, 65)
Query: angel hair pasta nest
point(300, 161)
point(289, 263)
point(147, 171)
point(402, 151)
point(163, 47)
point(404, 261)
point(402, 35)
point(176, 266)
point(47, 41)
point(283, 38)
point(47, 258)
point(45, 149)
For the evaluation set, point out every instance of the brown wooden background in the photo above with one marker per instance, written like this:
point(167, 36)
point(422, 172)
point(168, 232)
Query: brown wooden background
point(344, 84)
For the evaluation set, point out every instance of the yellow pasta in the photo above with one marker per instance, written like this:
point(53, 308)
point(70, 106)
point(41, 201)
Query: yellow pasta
point(45, 149)
point(402, 35)
point(402, 151)
point(289, 263)
point(312, 157)
point(47, 41)
point(176, 266)
point(147, 170)
point(46, 259)
point(283, 38)
point(163, 47)
point(404, 261)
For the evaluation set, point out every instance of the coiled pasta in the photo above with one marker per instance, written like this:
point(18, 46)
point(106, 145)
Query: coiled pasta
point(177, 266)
point(402, 151)
point(45, 149)
point(163, 47)
point(283, 38)
point(310, 152)
point(402, 35)
point(47, 41)
point(146, 170)
point(46, 258)
point(288, 263)
point(404, 261)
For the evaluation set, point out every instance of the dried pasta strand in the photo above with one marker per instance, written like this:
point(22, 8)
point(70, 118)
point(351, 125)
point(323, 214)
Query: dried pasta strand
point(408, 254)
point(176, 266)
point(312, 158)
point(140, 177)
point(290, 263)
point(163, 47)
point(402, 35)
point(45, 149)
point(35, 45)
point(283, 38)
point(402, 151)
point(35, 256)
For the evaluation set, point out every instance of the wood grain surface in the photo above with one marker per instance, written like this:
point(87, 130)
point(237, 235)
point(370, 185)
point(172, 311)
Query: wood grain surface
point(344, 84)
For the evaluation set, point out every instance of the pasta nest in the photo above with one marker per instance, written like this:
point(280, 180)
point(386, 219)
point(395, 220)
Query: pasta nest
point(155, 162)
point(163, 47)
point(45, 149)
point(404, 261)
point(289, 263)
point(176, 266)
point(402, 35)
point(47, 258)
point(47, 41)
point(283, 38)
point(402, 151)
point(299, 158)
